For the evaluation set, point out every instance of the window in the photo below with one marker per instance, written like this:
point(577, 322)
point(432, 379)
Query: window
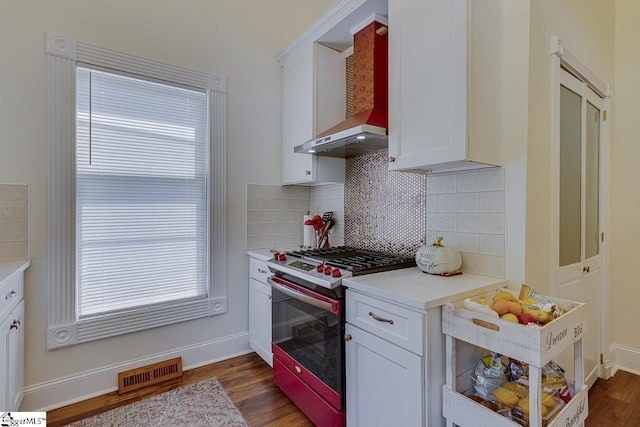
point(141, 193)
point(130, 191)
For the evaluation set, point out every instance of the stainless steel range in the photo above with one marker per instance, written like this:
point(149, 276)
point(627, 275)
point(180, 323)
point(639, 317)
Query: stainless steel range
point(309, 321)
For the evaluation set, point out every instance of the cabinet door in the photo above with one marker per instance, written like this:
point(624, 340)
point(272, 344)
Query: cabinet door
point(297, 114)
point(384, 382)
point(260, 319)
point(313, 100)
point(428, 80)
point(11, 359)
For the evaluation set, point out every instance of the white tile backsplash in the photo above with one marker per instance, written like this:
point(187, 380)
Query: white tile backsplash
point(14, 222)
point(491, 201)
point(480, 222)
point(484, 265)
point(275, 214)
point(441, 184)
point(467, 209)
point(466, 202)
point(486, 180)
point(490, 244)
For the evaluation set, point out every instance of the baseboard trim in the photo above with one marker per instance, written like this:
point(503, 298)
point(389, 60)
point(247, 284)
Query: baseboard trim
point(625, 358)
point(85, 385)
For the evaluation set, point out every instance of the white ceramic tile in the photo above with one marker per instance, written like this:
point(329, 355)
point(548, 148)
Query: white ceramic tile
point(14, 193)
point(13, 213)
point(483, 264)
point(484, 223)
point(441, 184)
point(486, 180)
point(441, 221)
point(263, 242)
point(13, 232)
point(255, 230)
point(297, 205)
point(288, 240)
point(292, 217)
point(466, 202)
point(431, 203)
point(491, 201)
point(13, 250)
point(491, 244)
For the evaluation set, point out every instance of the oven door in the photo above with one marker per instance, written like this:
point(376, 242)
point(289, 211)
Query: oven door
point(307, 336)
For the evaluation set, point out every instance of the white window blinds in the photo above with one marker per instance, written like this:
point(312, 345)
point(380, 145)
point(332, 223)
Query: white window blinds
point(141, 193)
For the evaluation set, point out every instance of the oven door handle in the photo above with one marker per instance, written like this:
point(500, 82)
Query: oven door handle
point(300, 296)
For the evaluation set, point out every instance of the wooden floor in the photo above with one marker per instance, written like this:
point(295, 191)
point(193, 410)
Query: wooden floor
point(615, 402)
point(247, 380)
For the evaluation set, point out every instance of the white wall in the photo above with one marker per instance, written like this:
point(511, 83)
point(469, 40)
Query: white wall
point(236, 38)
point(625, 197)
point(586, 28)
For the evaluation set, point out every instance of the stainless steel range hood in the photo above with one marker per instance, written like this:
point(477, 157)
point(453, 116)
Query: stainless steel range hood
point(366, 129)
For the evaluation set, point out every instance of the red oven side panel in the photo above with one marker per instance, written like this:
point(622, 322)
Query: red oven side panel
point(315, 407)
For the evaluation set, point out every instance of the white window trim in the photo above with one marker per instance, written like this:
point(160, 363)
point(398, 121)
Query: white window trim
point(62, 55)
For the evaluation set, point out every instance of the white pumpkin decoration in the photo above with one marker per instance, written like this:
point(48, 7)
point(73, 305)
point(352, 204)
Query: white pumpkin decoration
point(438, 259)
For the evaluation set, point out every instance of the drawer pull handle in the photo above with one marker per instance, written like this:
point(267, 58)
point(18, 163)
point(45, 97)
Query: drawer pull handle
point(297, 368)
point(586, 269)
point(10, 294)
point(269, 296)
point(380, 319)
point(15, 324)
point(262, 271)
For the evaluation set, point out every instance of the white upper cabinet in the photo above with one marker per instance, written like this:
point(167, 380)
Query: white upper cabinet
point(313, 99)
point(314, 89)
point(445, 60)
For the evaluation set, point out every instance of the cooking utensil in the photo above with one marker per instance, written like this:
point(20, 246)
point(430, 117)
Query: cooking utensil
point(326, 217)
point(323, 240)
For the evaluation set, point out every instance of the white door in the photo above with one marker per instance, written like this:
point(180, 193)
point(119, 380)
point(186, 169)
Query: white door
point(578, 273)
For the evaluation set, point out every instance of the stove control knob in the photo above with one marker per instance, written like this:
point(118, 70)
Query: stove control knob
point(320, 268)
point(327, 270)
point(336, 272)
point(282, 257)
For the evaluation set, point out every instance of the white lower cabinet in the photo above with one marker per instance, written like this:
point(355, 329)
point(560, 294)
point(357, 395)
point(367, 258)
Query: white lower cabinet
point(12, 359)
point(260, 310)
point(384, 382)
point(394, 363)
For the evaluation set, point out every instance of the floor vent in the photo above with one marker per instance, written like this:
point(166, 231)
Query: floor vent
point(148, 375)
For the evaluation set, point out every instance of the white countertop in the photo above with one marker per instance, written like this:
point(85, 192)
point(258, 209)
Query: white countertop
point(413, 288)
point(261, 254)
point(8, 268)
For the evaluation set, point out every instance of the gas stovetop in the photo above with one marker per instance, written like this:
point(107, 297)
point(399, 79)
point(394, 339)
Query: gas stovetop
point(327, 267)
point(357, 261)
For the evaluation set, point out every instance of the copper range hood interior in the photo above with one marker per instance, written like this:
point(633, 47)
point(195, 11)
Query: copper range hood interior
point(366, 129)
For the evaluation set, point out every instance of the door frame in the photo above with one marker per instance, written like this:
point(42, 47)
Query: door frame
point(562, 58)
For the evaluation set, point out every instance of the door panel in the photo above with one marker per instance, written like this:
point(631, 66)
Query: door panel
point(578, 275)
point(570, 177)
point(592, 171)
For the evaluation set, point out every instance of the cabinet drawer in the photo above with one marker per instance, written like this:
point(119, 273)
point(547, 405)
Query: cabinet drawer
point(258, 270)
point(11, 292)
point(391, 322)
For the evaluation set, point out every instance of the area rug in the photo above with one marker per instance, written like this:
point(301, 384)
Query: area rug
point(204, 404)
